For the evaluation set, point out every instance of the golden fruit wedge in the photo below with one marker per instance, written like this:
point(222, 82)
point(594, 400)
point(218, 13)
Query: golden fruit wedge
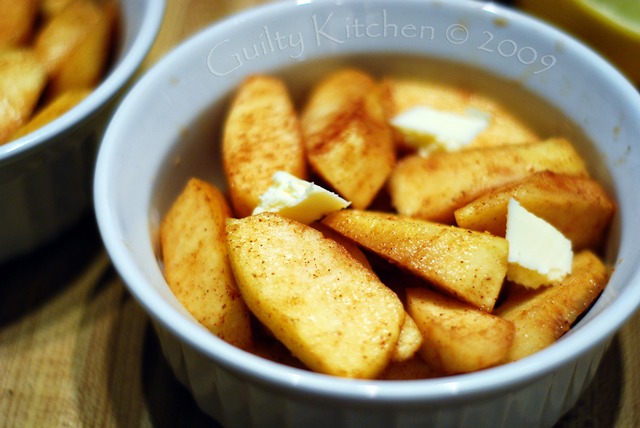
point(543, 315)
point(327, 308)
point(434, 187)
point(467, 264)
point(579, 207)
point(53, 110)
point(261, 136)
point(457, 337)
point(409, 341)
point(22, 81)
point(74, 45)
point(196, 264)
point(18, 20)
point(347, 137)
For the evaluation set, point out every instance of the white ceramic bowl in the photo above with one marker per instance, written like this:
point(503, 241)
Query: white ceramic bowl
point(46, 176)
point(174, 114)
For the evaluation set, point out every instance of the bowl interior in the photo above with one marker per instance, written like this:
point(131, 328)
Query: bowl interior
point(167, 130)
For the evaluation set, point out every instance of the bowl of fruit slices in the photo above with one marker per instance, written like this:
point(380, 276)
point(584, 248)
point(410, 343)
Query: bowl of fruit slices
point(62, 66)
point(413, 213)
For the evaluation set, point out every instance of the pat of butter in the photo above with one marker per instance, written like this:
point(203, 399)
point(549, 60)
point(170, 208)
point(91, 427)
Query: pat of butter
point(298, 199)
point(539, 254)
point(430, 130)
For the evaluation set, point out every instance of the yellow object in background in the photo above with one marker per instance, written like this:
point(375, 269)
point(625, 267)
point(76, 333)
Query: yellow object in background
point(611, 27)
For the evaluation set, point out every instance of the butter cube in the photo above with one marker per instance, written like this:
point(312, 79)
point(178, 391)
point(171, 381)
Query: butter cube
point(430, 130)
point(539, 254)
point(298, 199)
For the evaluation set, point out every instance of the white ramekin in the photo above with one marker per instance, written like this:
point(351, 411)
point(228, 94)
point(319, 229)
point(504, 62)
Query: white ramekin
point(167, 128)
